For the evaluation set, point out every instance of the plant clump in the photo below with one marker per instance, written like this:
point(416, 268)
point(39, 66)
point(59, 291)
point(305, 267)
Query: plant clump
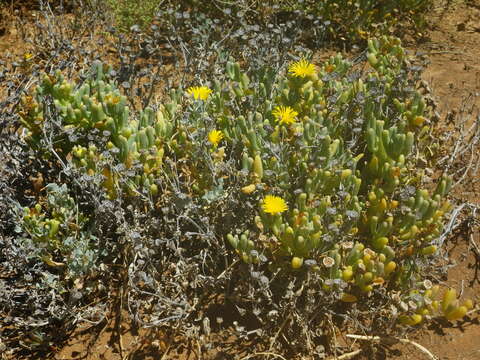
point(57, 233)
point(307, 175)
point(348, 21)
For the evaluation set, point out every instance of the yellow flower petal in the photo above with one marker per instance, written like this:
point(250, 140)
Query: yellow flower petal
point(274, 204)
point(284, 114)
point(215, 136)
point(302, 68)
point(199, 92)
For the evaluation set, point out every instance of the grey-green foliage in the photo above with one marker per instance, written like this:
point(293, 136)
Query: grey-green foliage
point(128, 13)
point(355, 227)
point(56, 232)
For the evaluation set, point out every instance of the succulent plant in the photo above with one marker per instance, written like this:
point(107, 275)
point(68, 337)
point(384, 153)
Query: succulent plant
point(345, 198)
point(325, 151)
point(57, 232)
point(98, 104)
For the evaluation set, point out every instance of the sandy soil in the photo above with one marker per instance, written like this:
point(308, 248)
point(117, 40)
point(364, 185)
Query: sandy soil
point(453, 49)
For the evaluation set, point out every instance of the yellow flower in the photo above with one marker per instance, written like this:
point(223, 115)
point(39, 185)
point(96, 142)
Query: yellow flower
point(284, 114)
point(302, 68)
point(27, 56)
point(199, 92)
point(215, 136)
point(274, 204)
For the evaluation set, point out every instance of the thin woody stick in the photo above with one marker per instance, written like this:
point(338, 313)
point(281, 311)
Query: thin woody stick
point(404, 341)
point(347, 356)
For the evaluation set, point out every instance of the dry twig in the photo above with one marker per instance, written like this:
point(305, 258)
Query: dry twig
point(404, 341)
point(272, 342)
point(347, 356)
point(263, 353)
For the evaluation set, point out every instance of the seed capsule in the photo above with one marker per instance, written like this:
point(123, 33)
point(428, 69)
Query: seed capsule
point(347, 273)
point(154, 189)
point(456, 313)
point(410, 320)
point(468, 304)
point(297, 262)
point(248, 189)
point(390, 267)
point(429, 250)
point(346, 297)
point(448, 298)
